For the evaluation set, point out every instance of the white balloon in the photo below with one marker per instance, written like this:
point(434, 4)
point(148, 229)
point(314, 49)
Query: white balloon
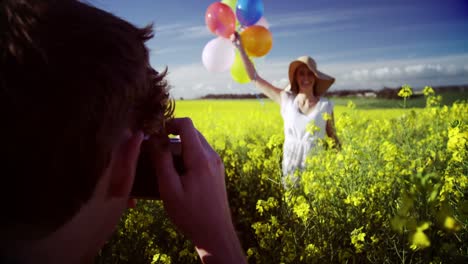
point(218, 55)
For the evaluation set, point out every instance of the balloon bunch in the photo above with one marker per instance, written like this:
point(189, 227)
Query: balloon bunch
point(222, 19)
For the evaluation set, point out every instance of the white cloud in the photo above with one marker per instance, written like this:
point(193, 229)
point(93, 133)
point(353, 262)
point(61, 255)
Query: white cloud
point(173, 49)
point(281, 83)
point(324, 16)
point(198, 86)
point(193, 80)
point(317, 21)
point(194, 32)
point(168, 28)
point(417, 72)
point(381, 72)
point(314, 30)
point(408, 71)
point(182, 31)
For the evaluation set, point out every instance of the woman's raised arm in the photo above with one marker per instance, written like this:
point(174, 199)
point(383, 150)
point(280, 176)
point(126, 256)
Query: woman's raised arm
point(267, 88)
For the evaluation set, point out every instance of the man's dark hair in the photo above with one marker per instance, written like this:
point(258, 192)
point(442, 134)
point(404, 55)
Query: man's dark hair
point(72, 78)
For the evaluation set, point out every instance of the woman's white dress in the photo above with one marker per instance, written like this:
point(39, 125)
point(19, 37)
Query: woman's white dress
point(301, 132)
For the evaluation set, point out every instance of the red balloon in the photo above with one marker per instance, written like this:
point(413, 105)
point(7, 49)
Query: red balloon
point(220, 19)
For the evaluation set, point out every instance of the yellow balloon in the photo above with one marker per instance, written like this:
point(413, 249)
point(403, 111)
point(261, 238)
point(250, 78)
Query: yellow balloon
point(257, 40)
point(233, 5)
point(238, 72)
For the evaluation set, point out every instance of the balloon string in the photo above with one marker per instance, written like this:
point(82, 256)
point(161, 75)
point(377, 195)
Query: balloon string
point(258, 97)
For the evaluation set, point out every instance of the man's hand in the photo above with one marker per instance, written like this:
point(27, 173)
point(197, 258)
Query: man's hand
point(197, 201)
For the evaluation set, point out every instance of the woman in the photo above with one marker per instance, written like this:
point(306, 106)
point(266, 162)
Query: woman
point(302, 107)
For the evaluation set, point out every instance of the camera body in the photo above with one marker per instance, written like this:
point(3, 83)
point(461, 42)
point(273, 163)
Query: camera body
point(145, 185)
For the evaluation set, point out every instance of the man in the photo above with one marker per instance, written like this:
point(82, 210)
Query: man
point(78, 98)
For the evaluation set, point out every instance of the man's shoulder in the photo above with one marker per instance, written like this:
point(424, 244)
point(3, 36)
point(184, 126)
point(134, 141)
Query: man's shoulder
point(8, 260)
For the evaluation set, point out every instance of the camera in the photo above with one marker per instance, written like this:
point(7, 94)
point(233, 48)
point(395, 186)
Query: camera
point(145, 185)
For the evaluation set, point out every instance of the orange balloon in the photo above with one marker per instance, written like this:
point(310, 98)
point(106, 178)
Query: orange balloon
point(257, 40)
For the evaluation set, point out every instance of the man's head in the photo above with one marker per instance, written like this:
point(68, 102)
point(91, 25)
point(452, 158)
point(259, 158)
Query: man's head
point(73, 81)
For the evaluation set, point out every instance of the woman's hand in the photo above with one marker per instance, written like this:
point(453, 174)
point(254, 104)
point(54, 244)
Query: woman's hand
point(267, 88)
point(236, 40)
point(197, 201)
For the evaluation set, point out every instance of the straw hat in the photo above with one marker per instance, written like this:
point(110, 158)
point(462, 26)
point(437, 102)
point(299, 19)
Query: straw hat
point(323, 81)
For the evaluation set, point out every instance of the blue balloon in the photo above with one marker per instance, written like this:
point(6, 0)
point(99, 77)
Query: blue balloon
point(248, 12)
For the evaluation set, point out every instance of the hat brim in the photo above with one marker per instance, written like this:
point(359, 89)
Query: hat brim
point(323, 81)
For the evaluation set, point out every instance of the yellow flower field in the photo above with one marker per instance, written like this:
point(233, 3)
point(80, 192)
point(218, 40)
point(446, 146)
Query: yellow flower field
point(395, 193)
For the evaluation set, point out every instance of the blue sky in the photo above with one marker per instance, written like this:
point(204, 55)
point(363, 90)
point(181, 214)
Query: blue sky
point(364, 44)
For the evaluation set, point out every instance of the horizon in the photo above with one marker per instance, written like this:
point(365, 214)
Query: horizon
point(364, 44)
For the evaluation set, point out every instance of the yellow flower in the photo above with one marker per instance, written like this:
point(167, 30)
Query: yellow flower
point(312, 250)
point(419, 240)
point(451, 224)
point(357, 239)
point(312, 128)
point(161, 258)
point(405, 91)
point(458, 143)
point(351, 105)
point(355, 199)
point(428, 91)
point(326, 116)
point(302, 208)
point(374, 239)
